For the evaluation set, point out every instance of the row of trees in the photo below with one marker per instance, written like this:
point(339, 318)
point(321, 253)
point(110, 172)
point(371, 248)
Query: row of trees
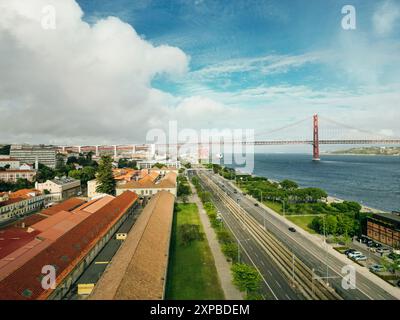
point(245, 277)
point(183, 189)
point(339, 219)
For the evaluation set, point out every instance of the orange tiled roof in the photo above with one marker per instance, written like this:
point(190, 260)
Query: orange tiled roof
point(169, 181)
point(64, 253)
point(67, 205)
point(24, 193)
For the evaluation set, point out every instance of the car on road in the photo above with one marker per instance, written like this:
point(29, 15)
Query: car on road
point(377, 268)
point(360, 258)
point(256, 204)
point(291, 229)
point(398, 283)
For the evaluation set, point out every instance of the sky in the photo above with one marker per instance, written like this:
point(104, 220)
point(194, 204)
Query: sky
point(110, 71)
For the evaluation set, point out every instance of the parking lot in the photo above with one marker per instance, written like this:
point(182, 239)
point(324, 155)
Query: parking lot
point(379, 259)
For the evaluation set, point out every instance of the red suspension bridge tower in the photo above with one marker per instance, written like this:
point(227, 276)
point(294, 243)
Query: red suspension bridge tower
point(315, 139)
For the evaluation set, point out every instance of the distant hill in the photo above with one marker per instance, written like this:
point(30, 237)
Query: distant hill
point(381, 151)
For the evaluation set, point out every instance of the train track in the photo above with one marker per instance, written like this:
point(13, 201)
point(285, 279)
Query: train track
point(297, 273)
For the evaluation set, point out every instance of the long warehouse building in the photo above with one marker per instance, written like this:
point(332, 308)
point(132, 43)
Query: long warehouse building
point(138, 270)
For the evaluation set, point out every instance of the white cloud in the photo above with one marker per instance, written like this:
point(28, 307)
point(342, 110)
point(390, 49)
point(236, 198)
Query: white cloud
point(270, 64)
point(79, 82)
point(386, 17)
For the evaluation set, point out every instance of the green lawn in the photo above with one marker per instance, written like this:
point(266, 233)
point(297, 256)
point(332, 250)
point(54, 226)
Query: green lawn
point(276, 206)
point(303, 222)
point(191, 272)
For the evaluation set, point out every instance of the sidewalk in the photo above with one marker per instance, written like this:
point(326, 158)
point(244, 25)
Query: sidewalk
point(223, 267)
point(318, 240)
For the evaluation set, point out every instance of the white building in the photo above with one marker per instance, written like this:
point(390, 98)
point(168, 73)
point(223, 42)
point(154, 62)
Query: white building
point(12, 175)
point(7, 160)
point(61, 188)
point(151, 163)
point(21, 208)
point(91, 189)
point(30, 154)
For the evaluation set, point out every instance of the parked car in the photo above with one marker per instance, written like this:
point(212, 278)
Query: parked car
point(398, 283)
point(383, 250)
point(348, 251)
point(360, 258)
point(291, 229)
point(354, 254)
point(377, 268)
point(370, 243)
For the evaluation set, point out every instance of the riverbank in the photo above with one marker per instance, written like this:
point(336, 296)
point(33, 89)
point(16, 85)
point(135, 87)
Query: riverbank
point(360, 154)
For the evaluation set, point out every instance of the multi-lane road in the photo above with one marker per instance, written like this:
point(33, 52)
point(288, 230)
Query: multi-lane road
point(276, 284)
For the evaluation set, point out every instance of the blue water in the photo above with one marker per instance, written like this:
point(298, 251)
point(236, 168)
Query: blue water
point(371, 180)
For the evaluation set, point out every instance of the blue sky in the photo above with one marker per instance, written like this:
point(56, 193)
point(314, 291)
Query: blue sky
point(243, 52)
point(213, 32)
point(204, 63)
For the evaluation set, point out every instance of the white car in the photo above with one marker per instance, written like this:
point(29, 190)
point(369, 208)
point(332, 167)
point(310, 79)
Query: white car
point(354, 254)
point(360, 258)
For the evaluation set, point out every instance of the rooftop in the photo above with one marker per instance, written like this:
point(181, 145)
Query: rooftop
point(137, 271)
point(391, 216)
point(65, 253)
point(63, 180)
point(148, 182)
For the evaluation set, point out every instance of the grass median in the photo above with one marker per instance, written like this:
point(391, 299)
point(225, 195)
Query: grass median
point(192, 274)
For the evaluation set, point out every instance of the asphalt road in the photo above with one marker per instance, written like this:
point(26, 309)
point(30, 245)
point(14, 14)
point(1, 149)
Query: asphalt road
point(323, 263)
point(274, 285)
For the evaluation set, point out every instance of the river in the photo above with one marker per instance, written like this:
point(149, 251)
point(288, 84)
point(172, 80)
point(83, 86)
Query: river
point(373, 181)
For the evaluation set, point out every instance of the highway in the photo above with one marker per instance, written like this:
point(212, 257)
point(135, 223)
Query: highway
point(321, 261)
point(274, 285)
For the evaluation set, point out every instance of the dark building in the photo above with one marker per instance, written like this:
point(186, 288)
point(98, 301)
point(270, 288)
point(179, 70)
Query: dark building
point(384, 228)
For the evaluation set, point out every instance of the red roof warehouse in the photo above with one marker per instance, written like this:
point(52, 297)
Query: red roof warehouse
point(66, 251)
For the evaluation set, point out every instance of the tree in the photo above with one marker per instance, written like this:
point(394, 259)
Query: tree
point(183, 190)
point(289, 185)
point(158, 165)
point(230, 250)
point(189, 233)
point(105, 177)
point(45, 173)
point(185, 199)
point(245, 277)
point(126, 163)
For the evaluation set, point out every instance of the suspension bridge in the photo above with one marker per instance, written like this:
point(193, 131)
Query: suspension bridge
point(342, 134)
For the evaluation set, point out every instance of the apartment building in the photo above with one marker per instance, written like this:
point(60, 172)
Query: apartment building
point(12, 175)
point(34, 153)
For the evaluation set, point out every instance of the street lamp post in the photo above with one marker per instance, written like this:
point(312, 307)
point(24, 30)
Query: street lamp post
point(326, 252)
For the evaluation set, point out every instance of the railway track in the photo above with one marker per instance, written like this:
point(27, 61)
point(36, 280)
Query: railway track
point(297, 273)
